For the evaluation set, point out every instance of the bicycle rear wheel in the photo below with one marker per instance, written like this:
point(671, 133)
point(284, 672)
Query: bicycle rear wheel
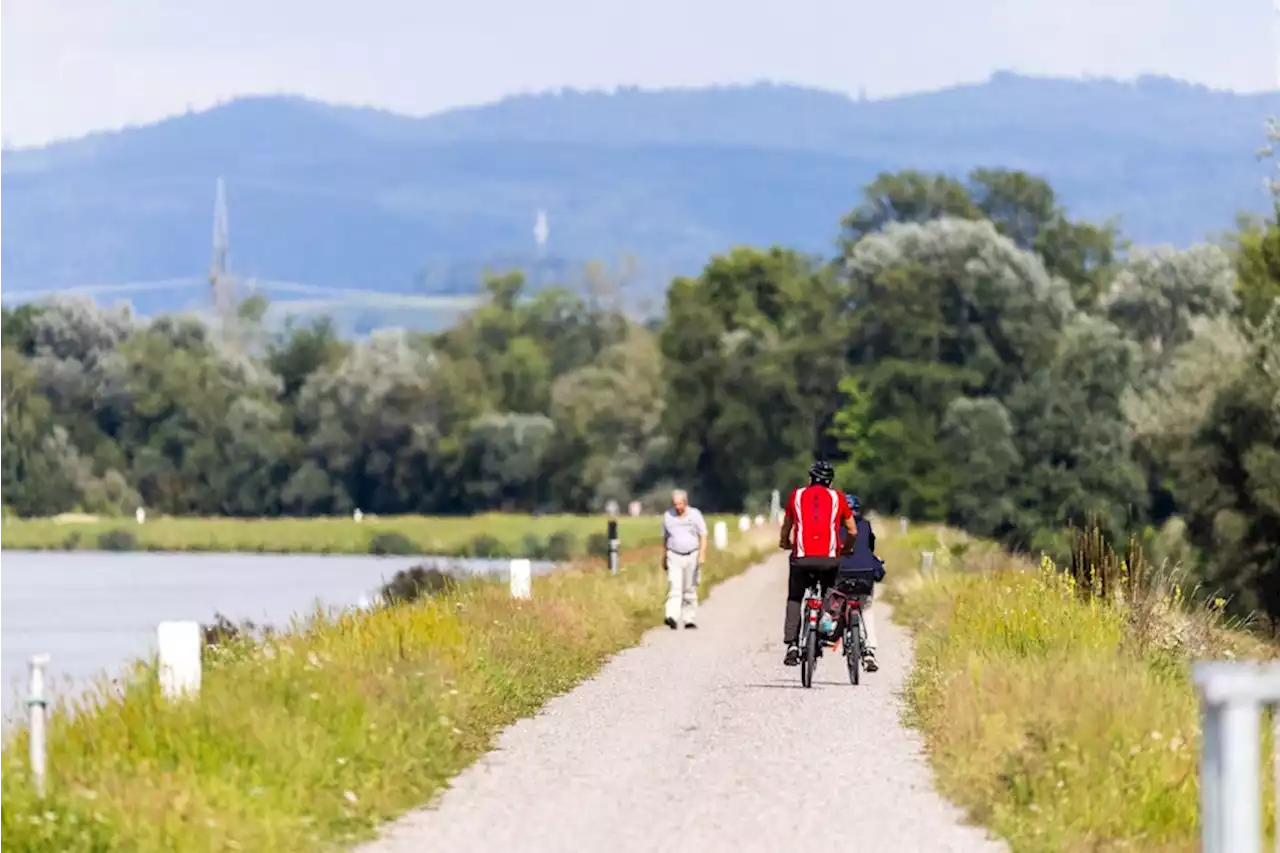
point(853, 650)
point(809, 657)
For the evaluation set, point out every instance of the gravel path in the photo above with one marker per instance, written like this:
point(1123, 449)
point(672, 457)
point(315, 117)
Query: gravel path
point(701, 741)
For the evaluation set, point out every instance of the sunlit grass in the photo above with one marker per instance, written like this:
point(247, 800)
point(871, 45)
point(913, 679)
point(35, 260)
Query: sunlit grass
point(1064, 722)
point(309, 739)
point(490, 534)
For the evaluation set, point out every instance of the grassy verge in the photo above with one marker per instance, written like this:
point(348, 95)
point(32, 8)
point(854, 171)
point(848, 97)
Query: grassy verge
point(310, 739)
point(554, 537)
point(1064, 721)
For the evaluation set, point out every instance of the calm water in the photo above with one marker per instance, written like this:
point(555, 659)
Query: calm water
point(94, 612)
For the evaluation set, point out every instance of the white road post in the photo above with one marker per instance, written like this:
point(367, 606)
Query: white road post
point(521, 579)
point(902, 523)
point(926, 563)
point(1232, 695)
point(721, 535)
point(759, 521)
point(181, 645)
point(37, 709)
point(140, 515)
point(744, 524)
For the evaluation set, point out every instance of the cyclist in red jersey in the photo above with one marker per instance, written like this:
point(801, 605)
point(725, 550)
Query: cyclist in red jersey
point(810, 531)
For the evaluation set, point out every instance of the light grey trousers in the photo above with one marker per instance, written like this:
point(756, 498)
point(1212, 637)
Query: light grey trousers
point(682, 587)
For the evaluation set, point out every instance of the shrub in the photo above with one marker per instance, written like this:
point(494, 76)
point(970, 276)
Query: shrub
point(598, 545)
point(560, 546)
point(117, 540)
point(532, 547)
point(72, 542)
point(411, 584)
point(390, 543)
point(486, 546)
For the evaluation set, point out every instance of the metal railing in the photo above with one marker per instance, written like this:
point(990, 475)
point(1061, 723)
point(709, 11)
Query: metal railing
point(1232, 698)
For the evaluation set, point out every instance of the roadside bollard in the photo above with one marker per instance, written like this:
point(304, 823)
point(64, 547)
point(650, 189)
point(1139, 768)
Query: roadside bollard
point(140, 515)
point(181, 645)
point(926, 563)
point(37, 707)
point(744, 524)
point(902, 524)
point(759, 521)
point(357, 516)
point(721, 535)
point(521, 578)
point(614, 544)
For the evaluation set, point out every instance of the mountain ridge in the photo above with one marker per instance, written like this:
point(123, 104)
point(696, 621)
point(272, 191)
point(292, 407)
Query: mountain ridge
point(362, 197)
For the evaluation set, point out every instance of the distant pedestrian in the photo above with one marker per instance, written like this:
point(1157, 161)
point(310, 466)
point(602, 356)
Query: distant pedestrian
point(684, 536)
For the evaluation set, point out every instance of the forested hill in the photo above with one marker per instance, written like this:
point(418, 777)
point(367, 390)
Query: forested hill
point(360, 198)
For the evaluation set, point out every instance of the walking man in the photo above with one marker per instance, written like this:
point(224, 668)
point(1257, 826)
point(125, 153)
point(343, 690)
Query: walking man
point(684, 536)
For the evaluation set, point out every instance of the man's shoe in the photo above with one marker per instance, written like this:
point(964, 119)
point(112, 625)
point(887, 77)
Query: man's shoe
point(793, 655)
point(690, 625)
point(670, 623)
point(869, 661)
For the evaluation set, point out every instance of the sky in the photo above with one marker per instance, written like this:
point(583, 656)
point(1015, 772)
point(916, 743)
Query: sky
point(68, 67)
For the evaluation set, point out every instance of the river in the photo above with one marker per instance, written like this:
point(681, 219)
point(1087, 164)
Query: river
point(94, 612)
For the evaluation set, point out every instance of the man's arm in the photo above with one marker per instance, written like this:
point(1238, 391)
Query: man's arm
point(702, 538)
point(850, 529)
point(666, 535)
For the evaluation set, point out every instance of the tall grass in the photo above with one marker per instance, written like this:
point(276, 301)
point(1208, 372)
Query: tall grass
point(1057, 703)
point(308, 739)
point(487, 535)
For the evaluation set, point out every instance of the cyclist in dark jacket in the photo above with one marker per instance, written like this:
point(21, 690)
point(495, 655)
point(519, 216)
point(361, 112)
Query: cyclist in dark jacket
point(862, 559)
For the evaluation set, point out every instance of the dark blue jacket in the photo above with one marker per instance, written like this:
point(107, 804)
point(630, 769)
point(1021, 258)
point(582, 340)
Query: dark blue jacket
point(864, 549)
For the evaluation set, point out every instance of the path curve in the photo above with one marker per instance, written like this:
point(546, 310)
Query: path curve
point(702, 741)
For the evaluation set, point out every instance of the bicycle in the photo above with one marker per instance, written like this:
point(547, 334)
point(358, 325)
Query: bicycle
point(809, 639)
point(855, 589)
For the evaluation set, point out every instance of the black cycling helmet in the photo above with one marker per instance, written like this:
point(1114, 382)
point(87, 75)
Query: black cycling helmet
point(853, 502)
point(822, 473)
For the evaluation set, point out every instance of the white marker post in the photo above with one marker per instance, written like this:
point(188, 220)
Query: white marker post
point(759, 521)
point(140, 515)
point(744, 524)
point(521, 579)
point(926, 563)
point(721, 535)
point(902, 523)
point(181, 645)
point(37, 705)
point(357, 516)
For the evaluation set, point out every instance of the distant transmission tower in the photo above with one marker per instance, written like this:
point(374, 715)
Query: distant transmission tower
point(221, 284)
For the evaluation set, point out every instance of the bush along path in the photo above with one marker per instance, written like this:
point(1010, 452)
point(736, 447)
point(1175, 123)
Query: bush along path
point(703, 741)
point(1057, 702)
point(311, 738)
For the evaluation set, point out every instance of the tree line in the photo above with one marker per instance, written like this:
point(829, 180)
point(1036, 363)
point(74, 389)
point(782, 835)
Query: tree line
point(970, 353)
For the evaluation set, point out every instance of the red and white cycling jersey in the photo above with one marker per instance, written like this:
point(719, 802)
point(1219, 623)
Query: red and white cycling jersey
point(817, 513)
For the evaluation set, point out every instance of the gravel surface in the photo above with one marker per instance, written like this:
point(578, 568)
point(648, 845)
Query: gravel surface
point(703, 741)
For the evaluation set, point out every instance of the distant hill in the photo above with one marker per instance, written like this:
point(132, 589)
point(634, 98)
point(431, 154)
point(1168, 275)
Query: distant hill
point(361, 198)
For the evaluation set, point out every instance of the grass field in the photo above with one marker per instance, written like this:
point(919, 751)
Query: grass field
point(490, 535)
point(308, 740)
point(1064, 722)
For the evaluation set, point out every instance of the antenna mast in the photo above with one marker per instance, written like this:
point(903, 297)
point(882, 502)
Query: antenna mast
point(221, 285)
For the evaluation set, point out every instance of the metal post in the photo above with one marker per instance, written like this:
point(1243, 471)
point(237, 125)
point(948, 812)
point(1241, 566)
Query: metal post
point(613, 546)
point(1210, 777)
point(37, 705)
point(926, 563)
point(1241, 770)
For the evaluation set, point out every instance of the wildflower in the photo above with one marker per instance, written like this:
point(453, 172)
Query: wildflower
point(350, 796)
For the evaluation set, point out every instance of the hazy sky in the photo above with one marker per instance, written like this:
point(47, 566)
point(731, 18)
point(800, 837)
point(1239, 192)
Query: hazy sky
point(70, 66)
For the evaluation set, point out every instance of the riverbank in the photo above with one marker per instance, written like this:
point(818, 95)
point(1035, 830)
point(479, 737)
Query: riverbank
point(1063, 721)
point(311, 739)
point(491, 535)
